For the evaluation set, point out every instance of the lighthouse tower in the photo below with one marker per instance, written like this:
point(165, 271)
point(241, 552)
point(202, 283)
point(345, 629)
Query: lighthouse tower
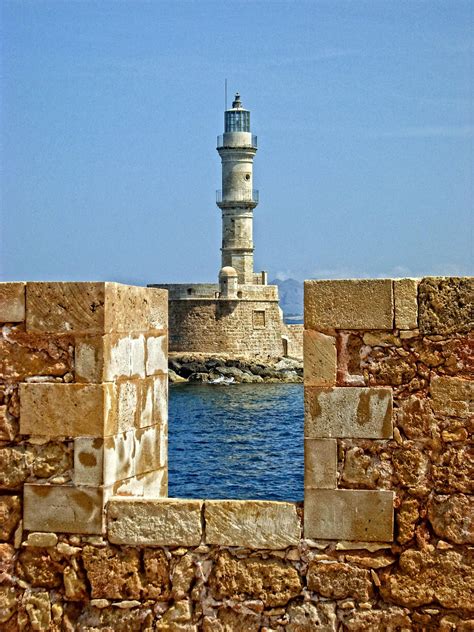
point(237, 198)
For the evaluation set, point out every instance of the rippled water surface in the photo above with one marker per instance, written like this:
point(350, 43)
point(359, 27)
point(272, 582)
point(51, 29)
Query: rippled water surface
point(239, 441)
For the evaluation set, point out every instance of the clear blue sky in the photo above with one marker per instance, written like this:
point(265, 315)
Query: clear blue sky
point(109, 118)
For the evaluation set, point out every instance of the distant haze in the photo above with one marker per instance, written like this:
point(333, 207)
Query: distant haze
point(110, 112)
point(291, 296)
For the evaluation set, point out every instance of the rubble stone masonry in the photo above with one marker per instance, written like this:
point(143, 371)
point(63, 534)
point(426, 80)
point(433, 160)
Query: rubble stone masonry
point(89, 541)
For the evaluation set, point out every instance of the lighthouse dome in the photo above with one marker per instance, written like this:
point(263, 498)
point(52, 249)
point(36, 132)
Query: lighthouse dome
point(228, 272)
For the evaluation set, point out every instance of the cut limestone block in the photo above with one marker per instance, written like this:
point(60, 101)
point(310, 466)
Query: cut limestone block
point(132, 453)
point(67, 410)
point(254, 524)
point(142, 403)
point(452, 396)
point(352, 304)
point(150, 485)
point(24, 355)
point(95, 308)
point(117, 457)
point(350, 411)
point(320, 361)
point(446, 305)
point(156, 354)
point(88, 461)
point(12, 302)
point(109, 358)
point(348, 514)
point(154, 522)
point(320, 463)
point(405, 293)
point(63, 508)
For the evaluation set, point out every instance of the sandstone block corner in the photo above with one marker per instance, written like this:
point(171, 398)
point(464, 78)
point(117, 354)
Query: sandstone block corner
point(349, 304)
point(349, 514)
point(251, 523)
point(155, 522)
point(348, 412)
point(12, 302)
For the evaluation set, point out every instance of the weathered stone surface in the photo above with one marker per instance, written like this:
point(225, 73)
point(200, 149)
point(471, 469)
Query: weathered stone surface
point(15, 466)
point(370, 560)
point(183, 575)
point(452, 517)
point(377, 620)
point(251, 523)
point(424, 577)
point(156, 355)
point(24, 355)
point(38, 608)
point(10, 514)
point(39, 569)
point(167, 522)
point(407, 517)
point(320, 463)
point(348, 412)
point(319, 359)
point(94, 308)
point(112, 357)
point(415, 418)
point(12, 302)
point(180, 612)
point(411, 466)
point(133, 453)
point(452, 396)
point(116, 619)
point(8, 602)
point(52, 459)
point(364, 470)
point(390, 366)
point(339, 581)
point(8, 425)
point(349, 353)
point(7, 563)
point(308, 617)
point(157, 575)
point(150, 485)
point(113, 572)
point(405, 293)
point(446, 305)
point(229, 620)
point(65, 307)
point(75, 586)
point(67, 410)
point(453, 470)
point(274, 582)
point(348, 514)
point(42, 540)
point(63, 508)
point(88, 461)
point(352, 304)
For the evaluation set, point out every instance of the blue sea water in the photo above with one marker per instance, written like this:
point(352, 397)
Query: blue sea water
point(241, 441)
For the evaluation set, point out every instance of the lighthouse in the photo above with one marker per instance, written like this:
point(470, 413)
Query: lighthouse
point(237, 198)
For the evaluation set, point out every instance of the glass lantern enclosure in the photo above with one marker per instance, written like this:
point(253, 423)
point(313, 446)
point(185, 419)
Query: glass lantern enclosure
point(237, 121)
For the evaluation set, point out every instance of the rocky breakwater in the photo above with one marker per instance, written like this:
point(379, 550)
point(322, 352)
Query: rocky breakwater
point(205, 368)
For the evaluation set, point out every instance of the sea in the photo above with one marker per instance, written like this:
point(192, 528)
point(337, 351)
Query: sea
point(240, 441)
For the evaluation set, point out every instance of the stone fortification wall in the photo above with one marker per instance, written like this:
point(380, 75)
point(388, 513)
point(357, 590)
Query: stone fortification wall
point(251, 325)
point(242, 327)
point(294, 335)
point(193, 291)
point(383, 542)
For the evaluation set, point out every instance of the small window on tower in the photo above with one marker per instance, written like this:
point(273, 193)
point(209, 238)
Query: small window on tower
point(259, 319)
